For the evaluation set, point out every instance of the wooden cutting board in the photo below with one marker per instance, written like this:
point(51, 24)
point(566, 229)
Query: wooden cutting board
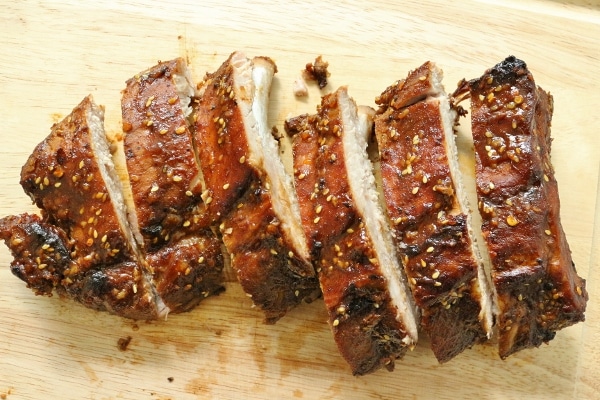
point(55, 53)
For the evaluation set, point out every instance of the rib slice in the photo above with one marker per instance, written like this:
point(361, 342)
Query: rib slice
point(429, 213)
point(71, 177)
point(247, 191)
point(370, 310)
point(165, 179)
point(537, 285)
point(42, 259)
point(168, 216)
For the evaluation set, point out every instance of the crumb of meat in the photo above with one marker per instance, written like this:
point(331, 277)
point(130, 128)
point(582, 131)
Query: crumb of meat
point(170, 379)
point(123, 343)
point(300, 88)
point(275, 133)
point(318, 71)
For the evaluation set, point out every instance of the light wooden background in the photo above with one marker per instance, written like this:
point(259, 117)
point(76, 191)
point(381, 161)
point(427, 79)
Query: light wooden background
point(55, 53)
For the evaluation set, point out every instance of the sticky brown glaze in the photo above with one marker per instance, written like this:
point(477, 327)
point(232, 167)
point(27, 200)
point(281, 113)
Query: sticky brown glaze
point(430, 230)
point(121, 290)
point(41, 251)
point(269, 271)
point(221, 147)
point(63, 177)
point(361, 315)
point(164, 175)
point(42, 259)
point(320, 178)
point(188, 271)
point(238, 191)
point(538, 289)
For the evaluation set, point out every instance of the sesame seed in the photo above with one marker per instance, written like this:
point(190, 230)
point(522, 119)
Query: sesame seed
point(57, 184)
point(435, 275)
point(511, 220)
point(489, 134)
point(177, 178)
point(350, 230)
point(546, 178)
point(149, 101)
point(492, 186)
point(579, 290)
point(81, 164)
point(189, 193)
point(180, 130)
point(514, 124)
point(104, 239)
point(273, 251)
point(149, 122)
point(423, 263)
point(415, 190)
point(422, 78)
point(437, 283)
point(316, 220)
point(425, 179)
point(518, 99)
point(319, 209)
point(548, 232)
point(413, 281)
point(154, 187)
point(336, 322)
point(302, 176)
point(397, 220)
point(172, 100)
point(490, 97)
point(242, 159)
point(226, 186)
point(416, 139)
point(163, 131)
point(186, 224)
point(520, 297)
point(290, 254)
point(430, 249)
point(208, 200)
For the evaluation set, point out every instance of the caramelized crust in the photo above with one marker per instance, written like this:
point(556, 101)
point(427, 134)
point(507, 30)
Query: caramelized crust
point(266, 265)
point(221, 147)
point(42, 259)
point(164, 176)
point(430, 227)
point(538, 289)
point(41, 251)
point(188, 271)
point(363, 317)
point(242, 190)
point(63, 177)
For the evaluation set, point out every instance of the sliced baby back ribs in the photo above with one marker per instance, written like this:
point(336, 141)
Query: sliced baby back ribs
point(370, 308)
point(537, 285)
point(247, 190)
point(429, 213)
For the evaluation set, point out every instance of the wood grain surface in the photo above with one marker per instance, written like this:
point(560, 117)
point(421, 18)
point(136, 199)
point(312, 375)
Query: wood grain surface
point(55, 53)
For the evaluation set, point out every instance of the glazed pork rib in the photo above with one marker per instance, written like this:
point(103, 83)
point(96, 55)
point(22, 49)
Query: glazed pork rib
point(537, 285)
point(165, 179)
point(168, 217)
point(71, 177)
point(247, 191)
point(370, 310)
point(429, 214)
